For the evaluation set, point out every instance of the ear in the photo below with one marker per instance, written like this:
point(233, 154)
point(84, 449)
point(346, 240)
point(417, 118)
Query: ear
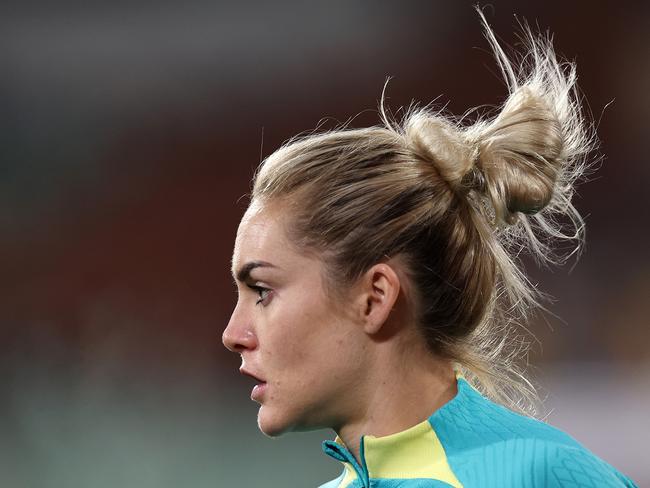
point(380, 287)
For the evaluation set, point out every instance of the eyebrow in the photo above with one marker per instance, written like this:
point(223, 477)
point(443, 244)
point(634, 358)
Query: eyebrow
point(244, 272)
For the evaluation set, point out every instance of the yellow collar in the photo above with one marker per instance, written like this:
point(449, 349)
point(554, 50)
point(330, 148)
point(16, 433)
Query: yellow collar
point(413, 453)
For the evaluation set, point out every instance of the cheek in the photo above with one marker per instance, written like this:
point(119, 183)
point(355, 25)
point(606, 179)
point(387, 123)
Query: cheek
point(298, 339)
point(315, 365)
point(301, 333)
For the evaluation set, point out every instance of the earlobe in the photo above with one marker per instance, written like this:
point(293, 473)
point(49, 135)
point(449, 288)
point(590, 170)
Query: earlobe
point(382, 287)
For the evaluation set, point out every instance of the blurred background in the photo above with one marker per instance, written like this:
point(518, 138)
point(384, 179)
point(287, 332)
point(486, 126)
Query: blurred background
point(128, 138)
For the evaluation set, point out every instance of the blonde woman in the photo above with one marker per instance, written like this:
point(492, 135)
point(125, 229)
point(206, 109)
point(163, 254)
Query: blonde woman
point(379, 295)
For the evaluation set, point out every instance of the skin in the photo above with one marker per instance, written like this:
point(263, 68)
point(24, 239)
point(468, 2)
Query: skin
point(357, 365)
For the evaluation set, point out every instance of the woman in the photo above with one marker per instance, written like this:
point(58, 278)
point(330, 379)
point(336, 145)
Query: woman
point(379, 294)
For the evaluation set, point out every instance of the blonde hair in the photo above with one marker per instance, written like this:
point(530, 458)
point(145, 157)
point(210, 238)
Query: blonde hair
point(458, 202)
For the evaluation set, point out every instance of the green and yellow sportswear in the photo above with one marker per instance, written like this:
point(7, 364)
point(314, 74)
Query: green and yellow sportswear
point(472, 442)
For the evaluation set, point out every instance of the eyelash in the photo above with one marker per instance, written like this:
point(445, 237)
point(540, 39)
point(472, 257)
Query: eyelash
point(263, 293)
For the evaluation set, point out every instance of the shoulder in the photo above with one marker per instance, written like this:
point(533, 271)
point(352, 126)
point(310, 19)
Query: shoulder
point(470, 420)
point(486, 441)
point(564, 466)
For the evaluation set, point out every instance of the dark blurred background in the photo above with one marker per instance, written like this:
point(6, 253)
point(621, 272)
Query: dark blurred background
point(128, 138)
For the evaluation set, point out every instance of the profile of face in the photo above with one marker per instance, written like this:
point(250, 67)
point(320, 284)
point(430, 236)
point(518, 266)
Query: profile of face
point(304, 350)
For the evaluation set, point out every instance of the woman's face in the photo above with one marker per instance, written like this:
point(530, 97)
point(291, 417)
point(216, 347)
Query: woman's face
point(305, 352)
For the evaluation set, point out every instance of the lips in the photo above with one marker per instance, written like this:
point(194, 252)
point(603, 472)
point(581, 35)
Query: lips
point(259, 389)
point(251, 375)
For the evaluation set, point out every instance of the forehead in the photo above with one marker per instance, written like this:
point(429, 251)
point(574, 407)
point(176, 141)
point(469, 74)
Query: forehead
point(261, 237)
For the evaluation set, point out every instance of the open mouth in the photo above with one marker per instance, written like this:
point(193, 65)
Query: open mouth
point(259, 389)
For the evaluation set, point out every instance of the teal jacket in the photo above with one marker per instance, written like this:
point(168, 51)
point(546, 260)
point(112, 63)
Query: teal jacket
point(473, 442)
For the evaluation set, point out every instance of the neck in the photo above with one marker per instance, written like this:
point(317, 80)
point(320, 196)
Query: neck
point(404, 388)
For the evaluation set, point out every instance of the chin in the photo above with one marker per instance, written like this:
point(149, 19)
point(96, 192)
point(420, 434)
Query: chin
point(275, 422)
point(272, 423)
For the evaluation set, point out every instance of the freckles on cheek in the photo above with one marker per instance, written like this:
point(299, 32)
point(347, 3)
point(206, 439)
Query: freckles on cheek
point(293, 356)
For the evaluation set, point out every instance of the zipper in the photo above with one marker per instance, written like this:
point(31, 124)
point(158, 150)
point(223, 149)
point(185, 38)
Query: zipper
point(342, 454)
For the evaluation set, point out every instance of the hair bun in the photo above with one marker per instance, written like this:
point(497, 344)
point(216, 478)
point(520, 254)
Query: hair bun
point(520, 155)
point(443, 144)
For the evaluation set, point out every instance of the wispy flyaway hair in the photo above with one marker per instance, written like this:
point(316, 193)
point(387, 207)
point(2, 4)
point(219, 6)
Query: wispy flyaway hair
point(457, 201)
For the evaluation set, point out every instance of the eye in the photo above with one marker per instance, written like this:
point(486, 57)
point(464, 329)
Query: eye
point(262, 292)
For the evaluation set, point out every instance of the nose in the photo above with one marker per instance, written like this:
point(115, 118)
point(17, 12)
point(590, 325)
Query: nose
point(238, 335)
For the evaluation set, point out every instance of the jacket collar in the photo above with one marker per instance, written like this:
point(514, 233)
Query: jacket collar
point(413, 453)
